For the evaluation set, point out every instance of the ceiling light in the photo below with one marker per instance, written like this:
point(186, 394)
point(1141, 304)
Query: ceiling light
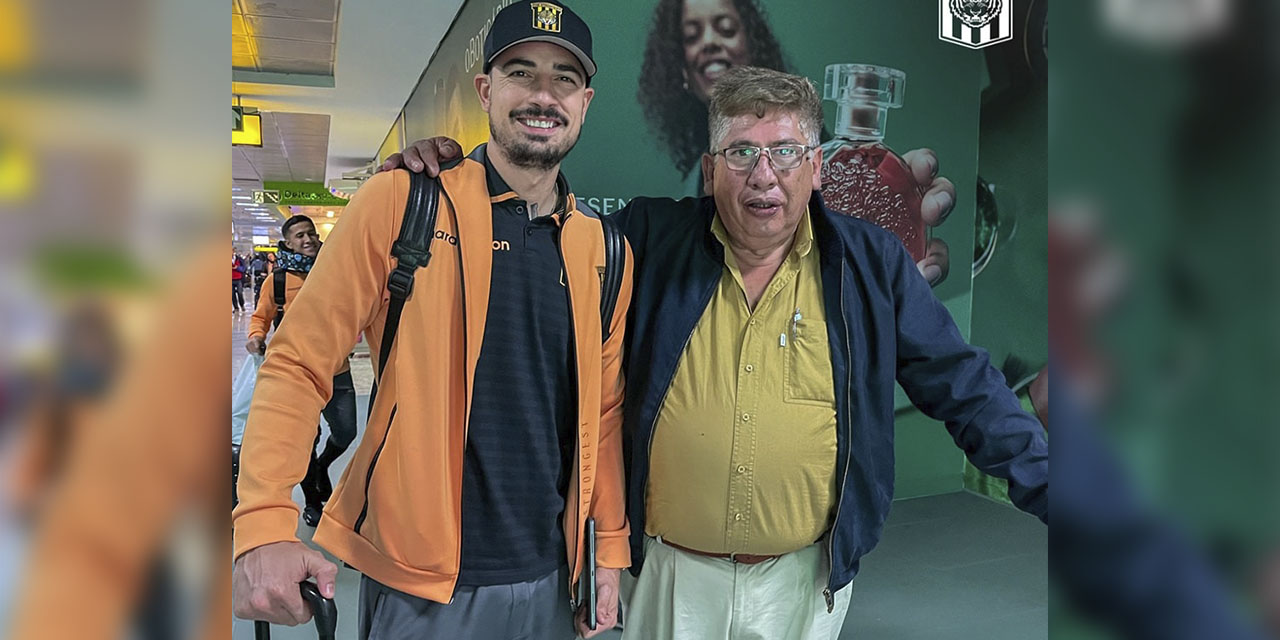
point(329, 214)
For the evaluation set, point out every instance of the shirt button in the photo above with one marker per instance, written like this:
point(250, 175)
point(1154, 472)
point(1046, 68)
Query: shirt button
point(738, 517)
point(742, 468)
point(752, 322)
point(519, 209)
point(750, 368)
point(746, 417)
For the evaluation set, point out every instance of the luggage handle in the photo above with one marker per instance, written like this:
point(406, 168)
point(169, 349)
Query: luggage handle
point(323, 609)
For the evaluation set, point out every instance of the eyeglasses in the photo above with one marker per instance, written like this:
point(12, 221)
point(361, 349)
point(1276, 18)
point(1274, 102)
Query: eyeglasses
point(783, 157)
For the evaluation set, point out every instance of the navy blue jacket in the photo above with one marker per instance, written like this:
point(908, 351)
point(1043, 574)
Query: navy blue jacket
point(884, 324)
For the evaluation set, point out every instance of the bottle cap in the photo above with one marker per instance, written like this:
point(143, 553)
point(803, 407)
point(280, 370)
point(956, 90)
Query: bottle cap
point(867, 83)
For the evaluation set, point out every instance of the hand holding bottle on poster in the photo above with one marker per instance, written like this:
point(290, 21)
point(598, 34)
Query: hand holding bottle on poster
point(866, 179)
point(937, 195)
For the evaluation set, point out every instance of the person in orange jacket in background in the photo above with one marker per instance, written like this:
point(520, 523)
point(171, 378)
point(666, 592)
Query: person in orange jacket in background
point(65, 401)
point(296, 256)
point(141, 467)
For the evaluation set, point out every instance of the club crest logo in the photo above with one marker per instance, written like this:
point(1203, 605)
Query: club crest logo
point(975, 23)
point(546, 17)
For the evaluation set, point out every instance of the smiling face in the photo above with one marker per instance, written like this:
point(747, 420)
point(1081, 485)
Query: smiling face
point(762, 207)
point(302, 238)
point(714, 41)
point(536, 97)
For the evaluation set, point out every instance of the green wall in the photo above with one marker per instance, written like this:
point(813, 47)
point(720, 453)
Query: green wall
point(1010, 297)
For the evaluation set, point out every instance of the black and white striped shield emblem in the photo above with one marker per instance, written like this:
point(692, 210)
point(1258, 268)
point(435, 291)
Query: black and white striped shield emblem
point(975, 23)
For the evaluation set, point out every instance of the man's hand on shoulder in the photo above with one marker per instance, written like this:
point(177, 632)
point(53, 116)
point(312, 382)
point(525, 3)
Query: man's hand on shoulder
point(424, 154)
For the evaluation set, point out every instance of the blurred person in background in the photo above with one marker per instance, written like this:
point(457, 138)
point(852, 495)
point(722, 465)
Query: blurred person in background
point(70, 402)
point(259, 274)
point(1115, 558)
point(114, 472)
point(84, 367)
point(296, 255)
point(1167, 366)
point(237, 282)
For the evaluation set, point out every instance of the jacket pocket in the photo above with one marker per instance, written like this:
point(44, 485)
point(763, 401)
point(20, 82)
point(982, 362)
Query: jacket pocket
point(808, 369)
point(377, 626)
point(373, 464)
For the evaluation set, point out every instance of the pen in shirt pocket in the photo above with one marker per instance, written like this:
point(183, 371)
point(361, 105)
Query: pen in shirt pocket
point(794, 331)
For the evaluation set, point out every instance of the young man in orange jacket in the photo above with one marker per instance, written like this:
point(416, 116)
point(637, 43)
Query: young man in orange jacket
point(496, 431)
point(296, 255)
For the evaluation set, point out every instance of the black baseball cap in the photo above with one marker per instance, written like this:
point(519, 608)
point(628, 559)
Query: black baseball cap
point(541, 21)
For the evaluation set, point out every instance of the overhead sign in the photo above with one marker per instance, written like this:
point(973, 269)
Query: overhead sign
point(249, 132)
point(307, 194)
point(266, 197)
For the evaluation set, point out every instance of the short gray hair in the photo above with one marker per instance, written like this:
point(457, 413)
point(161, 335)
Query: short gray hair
point(756, 91)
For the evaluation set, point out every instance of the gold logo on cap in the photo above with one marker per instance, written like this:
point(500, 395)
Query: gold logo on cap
point(546, 17)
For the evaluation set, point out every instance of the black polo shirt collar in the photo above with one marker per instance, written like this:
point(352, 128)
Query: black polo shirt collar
point(500, 191)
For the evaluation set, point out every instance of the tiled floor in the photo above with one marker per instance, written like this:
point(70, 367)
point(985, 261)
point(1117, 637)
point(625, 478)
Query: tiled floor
point(954, 566)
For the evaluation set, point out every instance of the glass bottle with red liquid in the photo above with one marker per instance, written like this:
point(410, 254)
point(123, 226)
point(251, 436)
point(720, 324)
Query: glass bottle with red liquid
point(860, 175)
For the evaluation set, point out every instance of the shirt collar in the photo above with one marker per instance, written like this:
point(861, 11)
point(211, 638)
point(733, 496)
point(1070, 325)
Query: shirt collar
point(804, 236)
point(499, 190)
point(800, 248)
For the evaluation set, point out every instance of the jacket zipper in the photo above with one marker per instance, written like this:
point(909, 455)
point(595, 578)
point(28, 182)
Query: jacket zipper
point(364, 509)
point(368, 476)
point(848, 453)
point(466, 379)
point(577, 451)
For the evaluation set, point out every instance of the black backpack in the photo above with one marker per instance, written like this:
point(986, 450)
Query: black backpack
point(412, 251)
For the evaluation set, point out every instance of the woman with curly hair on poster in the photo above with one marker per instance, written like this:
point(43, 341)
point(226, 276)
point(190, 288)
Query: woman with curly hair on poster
point(692, 43)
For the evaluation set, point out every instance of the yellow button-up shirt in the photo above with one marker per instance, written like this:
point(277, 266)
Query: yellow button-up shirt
point(743, 457)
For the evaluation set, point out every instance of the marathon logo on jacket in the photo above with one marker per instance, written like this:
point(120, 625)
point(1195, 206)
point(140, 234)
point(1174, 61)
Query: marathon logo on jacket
point(451, 239)
point(975, 23)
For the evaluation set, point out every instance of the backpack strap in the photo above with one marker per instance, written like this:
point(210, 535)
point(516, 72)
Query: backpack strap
point(277, 286)
point(412, 250)
point(615, 257)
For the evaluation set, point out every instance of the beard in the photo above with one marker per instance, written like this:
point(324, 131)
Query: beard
point(526, 153)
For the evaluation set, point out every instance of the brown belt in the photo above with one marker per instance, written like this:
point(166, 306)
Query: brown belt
point(740, 558)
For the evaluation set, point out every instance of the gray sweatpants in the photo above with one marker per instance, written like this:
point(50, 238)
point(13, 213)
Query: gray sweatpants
point(535, 610)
